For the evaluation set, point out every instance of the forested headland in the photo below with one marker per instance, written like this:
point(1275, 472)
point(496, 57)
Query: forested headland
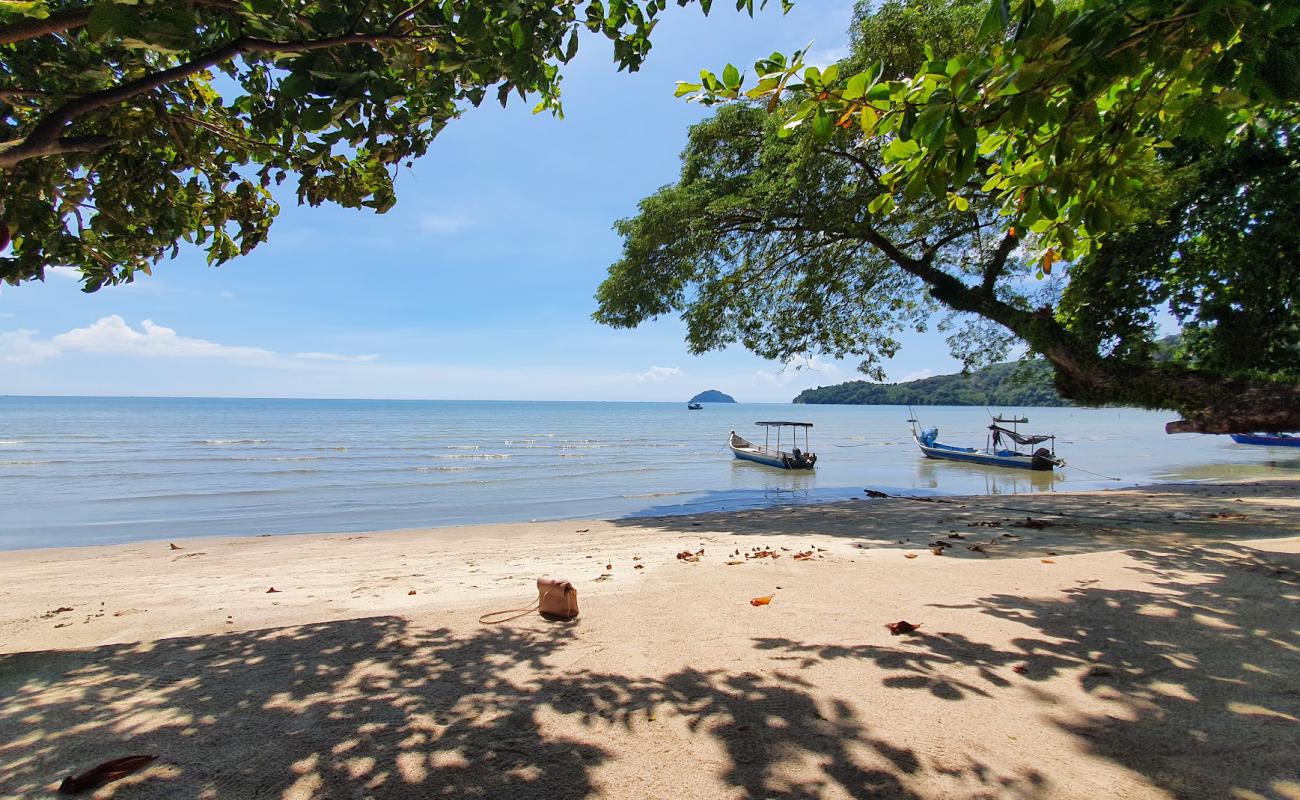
point(1015, 383)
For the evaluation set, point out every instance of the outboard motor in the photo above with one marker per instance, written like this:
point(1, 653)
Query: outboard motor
point(929, 436)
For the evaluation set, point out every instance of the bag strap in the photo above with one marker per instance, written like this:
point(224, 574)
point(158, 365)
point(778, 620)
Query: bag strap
point(518, 612)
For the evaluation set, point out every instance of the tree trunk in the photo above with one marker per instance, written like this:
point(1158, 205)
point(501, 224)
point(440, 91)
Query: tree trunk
point(1209, 403)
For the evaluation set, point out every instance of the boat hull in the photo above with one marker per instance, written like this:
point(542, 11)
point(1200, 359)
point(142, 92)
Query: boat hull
point(968, 455)
point(1266, 441)
point(768, 458)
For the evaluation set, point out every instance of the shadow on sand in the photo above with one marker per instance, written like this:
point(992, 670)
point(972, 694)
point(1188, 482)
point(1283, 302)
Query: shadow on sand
point(1197, 675)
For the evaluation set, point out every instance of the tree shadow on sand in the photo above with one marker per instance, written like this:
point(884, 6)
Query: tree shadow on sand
point(378, 707)
point(1198, 676)
point(1194, 678)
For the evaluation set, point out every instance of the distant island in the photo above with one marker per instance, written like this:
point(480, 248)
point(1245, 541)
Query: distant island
point(1016, 383)
point(712, 396)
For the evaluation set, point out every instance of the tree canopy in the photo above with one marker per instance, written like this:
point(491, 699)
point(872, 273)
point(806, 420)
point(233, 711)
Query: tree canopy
point(952, 163)
point(128, 127)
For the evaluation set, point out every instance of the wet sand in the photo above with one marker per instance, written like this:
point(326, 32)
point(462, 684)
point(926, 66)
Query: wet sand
point(1140, 643)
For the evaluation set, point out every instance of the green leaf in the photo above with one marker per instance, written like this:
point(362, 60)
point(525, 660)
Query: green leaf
point(821, 124)
point(295, 86)
point(868, 119)
point(731, 77)
point(996, 19)
point(111, 19)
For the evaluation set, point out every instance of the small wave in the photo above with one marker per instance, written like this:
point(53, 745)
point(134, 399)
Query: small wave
point(32, 463)
point(477, 456)
point(651, 494)
point(574, 455)
point(229, 441)
point(9, 442)
point(444, 469)
point(460, 447)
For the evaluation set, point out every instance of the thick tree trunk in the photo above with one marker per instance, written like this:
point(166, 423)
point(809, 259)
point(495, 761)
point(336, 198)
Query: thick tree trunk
point(1209, 403)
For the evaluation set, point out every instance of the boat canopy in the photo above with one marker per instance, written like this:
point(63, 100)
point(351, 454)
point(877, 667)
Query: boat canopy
point(1020, 438)
point(791, 424)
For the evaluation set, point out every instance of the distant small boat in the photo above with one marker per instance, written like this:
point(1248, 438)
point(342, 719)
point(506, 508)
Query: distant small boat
point(770, 456)
point(993, 454)
point(695, 406)
point(1267, 439)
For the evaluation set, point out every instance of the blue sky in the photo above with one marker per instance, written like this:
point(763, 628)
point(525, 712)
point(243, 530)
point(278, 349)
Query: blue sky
point(478, 285)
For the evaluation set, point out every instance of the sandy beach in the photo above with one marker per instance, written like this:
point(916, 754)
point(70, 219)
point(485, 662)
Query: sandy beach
point(1137, 643)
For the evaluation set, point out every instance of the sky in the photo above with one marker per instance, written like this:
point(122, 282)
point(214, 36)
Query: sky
point(478, 285)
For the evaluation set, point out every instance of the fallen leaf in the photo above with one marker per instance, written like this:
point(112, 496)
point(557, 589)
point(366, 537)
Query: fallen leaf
point(1020, 669)
point(582, 530)
point(734, 563)
point(59, 610)
point(106, 772)
point(976, 548)
point(938, 551)
point(804, 556)
point(272, 590)
point(1048, 561)
point(408, 594)
point(1034, 524)
point(901, 627)
point(909, 555)
point(608, 567)
point(761, 601)
point(639, 566)
point(171, 546)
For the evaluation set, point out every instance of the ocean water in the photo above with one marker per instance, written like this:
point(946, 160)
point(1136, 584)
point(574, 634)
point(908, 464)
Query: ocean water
point(77, 471)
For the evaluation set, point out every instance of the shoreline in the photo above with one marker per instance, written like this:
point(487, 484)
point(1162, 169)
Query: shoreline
point(1125, 643)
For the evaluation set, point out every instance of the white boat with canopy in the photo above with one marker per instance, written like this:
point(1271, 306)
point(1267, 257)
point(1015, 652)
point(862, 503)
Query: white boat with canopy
point(771, 456)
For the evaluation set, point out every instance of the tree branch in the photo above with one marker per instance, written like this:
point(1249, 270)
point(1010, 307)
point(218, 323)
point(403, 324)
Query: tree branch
point(46, 133)
point(63, 21)
point(57, 22)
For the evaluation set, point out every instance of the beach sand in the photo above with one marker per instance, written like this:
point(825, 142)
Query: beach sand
point(1125, 644)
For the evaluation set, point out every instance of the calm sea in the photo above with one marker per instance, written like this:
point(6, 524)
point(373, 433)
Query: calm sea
point(76, 471)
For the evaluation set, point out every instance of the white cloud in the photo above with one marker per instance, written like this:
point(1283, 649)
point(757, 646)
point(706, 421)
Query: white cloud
point(112, 335)
point(794, 365)
point(21, 347)
point(826, 56)
point(442, 224)
point(916, 376)
point(365, 359)
point(659, 374)
point(66, 273)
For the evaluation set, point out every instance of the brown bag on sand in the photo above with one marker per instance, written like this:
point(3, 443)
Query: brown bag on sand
point(556, 599)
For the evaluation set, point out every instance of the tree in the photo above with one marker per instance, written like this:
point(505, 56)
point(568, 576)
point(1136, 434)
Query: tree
point(130, 126)
point(828, 209)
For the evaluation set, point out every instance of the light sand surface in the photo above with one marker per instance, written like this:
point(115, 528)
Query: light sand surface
point(1146, 644)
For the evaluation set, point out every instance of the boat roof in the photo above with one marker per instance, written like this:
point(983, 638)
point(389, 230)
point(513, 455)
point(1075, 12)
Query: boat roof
point(791, 424)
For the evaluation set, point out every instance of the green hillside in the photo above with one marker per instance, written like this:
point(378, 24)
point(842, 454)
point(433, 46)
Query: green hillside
point(1018, 383)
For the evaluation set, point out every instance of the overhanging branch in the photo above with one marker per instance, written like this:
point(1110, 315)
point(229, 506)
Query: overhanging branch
point(43, 139)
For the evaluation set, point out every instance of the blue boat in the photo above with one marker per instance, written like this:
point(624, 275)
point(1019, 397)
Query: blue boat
point(1266, 439)
point(770, 456)
point(994, 453)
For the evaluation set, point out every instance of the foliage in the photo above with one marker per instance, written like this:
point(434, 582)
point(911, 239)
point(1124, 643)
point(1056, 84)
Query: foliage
point(130, 126)
point(1059, 119)
point(1219, 249)
point(799, 225)
point(1013, 384)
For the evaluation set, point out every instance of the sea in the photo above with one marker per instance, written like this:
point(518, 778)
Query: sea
point(93, 470)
